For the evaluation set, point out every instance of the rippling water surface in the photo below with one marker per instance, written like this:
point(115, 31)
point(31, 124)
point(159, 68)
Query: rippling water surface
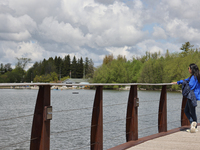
point(70, 126)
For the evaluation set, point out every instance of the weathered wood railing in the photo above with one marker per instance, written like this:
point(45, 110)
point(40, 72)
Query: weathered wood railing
point(42, 116)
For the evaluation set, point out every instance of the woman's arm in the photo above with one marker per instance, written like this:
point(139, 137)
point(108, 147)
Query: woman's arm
point(181, 81)
point(174, 82)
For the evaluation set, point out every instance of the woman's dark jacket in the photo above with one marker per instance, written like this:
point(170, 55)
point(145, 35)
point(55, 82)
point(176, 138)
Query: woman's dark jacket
point(193, 84)
point(189, 94)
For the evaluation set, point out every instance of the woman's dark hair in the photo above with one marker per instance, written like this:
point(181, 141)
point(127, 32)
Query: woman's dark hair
point(195, 71)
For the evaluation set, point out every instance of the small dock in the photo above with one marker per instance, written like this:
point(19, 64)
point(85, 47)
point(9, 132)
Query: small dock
point(179, 140)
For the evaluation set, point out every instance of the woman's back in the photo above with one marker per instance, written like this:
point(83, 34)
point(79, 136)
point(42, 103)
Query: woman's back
point(195, 86)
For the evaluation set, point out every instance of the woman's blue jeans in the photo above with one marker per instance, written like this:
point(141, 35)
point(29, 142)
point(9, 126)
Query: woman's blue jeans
point(190, 111)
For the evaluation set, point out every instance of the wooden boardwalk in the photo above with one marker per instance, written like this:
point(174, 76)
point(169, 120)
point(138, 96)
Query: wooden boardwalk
point(181, 140)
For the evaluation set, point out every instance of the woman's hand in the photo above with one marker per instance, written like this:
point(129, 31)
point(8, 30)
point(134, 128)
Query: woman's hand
point(174, 82)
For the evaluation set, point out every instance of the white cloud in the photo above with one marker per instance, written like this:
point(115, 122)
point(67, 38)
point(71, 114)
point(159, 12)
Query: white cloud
point(105, 1)
point(16, 24)
point(153, 46)
point(183, 9)
point(61, 32)
point(159, 33)
point(36, 9)
point(124, 51)
point(156, 49)
point(179, 29)
point(114, 25)
point(16, 28)
point(174, 4)
point(95, 28)
point(21, 36)
point(24, 49)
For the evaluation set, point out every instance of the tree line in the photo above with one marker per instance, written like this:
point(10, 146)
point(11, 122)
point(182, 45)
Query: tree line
point(150, 68)
point(50, 70)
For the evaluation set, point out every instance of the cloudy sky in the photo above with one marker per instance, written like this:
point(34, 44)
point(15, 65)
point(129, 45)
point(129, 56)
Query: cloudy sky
point(94, 28)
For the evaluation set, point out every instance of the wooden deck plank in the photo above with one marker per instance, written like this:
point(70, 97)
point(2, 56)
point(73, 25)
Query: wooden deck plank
point(180, 140)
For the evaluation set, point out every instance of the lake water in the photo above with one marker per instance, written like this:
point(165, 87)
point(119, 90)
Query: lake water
point(73, 111)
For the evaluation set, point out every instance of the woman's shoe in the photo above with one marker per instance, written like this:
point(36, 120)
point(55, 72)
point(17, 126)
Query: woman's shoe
point(193, 127)
point(188, 130)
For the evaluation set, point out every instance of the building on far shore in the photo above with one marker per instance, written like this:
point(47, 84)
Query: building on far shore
point(76, 81)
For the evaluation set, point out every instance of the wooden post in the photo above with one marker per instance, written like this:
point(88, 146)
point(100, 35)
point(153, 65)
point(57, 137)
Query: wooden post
point(132, 115)
point(162, 114)
point(40, 136)
point(96, 139)
point(184, 119)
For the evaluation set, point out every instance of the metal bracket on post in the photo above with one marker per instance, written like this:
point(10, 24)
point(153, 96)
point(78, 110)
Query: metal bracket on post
point(48, 113)
point(136, 102)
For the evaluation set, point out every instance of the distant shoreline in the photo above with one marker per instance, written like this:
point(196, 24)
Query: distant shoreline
point(70, 88)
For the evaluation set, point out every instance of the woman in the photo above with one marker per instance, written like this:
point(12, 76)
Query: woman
point(194, 84)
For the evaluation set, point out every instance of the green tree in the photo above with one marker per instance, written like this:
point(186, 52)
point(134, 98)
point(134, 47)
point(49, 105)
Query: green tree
point(133, 70)
point(22, 62)
point(64, 78)
point(58, 63)
point(29, 75)
point(54, 77)
point(4, 78)
point(2, 69)
point(90, 69)
point(101, 75)
point(49, 66)
point(186, 48)
point(80, 68)
point(107, 59)
point(174, 69)
point(18, 74)
point(66, 65)
point(158, 69)
point(146, 73)
point(86, 66)
point(7, 67)
point(74, 68)
point(167, 55)
point(36, 79)
point(112, 72)
point(36, 69)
